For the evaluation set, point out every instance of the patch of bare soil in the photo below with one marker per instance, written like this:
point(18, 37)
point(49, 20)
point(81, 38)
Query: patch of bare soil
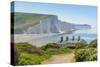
point(65, 58)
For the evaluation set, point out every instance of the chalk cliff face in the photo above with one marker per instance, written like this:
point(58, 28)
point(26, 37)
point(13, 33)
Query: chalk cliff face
point(47, 25)
point(82, 26)
point(41, 24)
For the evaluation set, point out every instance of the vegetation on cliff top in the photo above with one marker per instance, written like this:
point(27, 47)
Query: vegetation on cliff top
point(26, 54)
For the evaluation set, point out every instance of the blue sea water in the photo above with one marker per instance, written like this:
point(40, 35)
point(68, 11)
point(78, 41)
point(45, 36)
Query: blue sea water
point(87, 36)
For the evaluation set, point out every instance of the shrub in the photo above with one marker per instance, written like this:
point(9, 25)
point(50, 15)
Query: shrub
point(93, 44)
point(25, 47)
point(26, 54)
point(58, 51)
point(49, 45)
point(30, 59)
point(86, 54)
point(81, 46)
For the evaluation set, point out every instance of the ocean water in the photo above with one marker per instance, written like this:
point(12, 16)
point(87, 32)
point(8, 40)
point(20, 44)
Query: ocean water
point(87, 35)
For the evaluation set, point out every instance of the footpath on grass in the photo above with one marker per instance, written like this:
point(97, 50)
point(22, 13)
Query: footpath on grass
point(64, 58)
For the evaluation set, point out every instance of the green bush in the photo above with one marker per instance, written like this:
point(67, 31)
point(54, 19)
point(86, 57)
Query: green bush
point(25, 47)
point(93, 44)
point(50, 45)
point(26, 54)
point(89, 54)
point(30, 59)
point(81, 46)
point(58, 51)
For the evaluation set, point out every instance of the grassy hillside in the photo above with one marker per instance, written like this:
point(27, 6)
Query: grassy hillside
point(25, 20)
point(26, 54)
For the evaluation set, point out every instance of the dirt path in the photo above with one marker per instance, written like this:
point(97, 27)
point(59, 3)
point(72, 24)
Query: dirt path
point(65, 58)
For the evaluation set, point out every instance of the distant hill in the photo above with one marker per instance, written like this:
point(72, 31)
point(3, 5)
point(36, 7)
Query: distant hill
point(30, 23)
point(25, 20)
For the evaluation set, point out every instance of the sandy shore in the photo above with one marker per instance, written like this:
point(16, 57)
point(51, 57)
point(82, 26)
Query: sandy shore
point(34, 39)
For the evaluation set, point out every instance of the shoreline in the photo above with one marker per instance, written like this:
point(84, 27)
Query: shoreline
point(42, 39)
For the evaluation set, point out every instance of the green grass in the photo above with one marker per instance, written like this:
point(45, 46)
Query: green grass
point(26, 58)
point(89, 54)
point(29, 59)
point(54, 49)
point(58, 51)
point(25, 20)
point(26, 54)
point(93, 44)
point(25, 47)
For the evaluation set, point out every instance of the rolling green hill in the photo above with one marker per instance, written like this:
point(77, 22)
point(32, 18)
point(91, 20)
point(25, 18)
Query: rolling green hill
point(29, 23)
point(25, 20)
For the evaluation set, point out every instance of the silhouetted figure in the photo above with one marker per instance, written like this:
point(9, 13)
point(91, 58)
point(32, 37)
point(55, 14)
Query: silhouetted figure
point(61, 39)
point(79, 38)
point(73, 38)
point(67, 38)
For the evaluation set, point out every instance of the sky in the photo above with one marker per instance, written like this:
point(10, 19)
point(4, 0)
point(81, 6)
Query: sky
point(77, 14)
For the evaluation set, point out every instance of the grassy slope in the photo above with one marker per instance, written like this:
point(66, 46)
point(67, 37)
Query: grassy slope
point(25, 20)
point(28, 54)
